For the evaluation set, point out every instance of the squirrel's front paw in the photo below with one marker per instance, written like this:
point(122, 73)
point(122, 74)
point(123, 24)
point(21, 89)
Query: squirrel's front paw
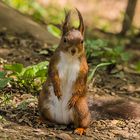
point(72, 101)
point(58, 94)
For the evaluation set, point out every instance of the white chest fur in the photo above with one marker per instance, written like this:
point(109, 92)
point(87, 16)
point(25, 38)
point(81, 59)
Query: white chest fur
point(68, 69)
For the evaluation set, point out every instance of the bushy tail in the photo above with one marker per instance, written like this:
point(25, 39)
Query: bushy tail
point(114, 107)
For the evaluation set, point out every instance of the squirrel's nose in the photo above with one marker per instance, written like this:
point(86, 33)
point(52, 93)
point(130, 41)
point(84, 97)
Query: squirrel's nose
point(73, 51)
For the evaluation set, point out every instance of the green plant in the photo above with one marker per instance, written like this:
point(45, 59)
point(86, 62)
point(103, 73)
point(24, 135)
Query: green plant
point(101, 55)
point(3, 79)
point(54, 31)
point(29, 78)
point(93, 70)
point(137, 66)
point(101, 51)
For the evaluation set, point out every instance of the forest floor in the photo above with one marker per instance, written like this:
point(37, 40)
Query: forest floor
point(19, 115)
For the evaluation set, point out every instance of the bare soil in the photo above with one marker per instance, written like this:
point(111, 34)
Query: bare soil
point(19, 115)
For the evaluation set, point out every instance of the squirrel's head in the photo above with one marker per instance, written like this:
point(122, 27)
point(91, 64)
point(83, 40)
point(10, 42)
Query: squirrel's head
point(72, 38)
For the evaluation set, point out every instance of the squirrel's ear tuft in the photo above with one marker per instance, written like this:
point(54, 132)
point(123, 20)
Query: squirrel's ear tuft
point(66, 24)
point(81, 22)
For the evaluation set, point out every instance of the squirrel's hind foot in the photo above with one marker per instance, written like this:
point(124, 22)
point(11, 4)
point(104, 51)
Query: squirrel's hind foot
point(80, 131)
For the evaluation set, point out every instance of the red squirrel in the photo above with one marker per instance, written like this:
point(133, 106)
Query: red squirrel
point(63, 96)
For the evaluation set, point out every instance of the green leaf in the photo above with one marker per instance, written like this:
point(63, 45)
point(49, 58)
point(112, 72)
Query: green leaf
point(41, 73)
point(23, 105)
point(125, 56)
point(54, 30)
point(2, 74)
point(138, 66)
point(42, 65)
point(44, 52)
point(14, 67)
point(3, 82)
point(29, 73)
point(98, 53)
point(98, 66)
point(119, 49)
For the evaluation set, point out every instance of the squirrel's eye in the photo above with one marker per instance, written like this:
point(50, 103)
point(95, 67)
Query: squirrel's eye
point(82, 41)
point(65, 40)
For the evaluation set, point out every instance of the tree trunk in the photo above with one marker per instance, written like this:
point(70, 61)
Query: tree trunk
point(15, 22)
point(128, 17)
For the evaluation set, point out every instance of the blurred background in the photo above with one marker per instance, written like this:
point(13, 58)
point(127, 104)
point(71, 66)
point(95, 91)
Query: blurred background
point(111, 21)
point(107, 15)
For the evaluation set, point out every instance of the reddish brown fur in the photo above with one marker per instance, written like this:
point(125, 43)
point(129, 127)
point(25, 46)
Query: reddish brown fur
point(53, 74)
point(80, 84)
point(43, 96)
